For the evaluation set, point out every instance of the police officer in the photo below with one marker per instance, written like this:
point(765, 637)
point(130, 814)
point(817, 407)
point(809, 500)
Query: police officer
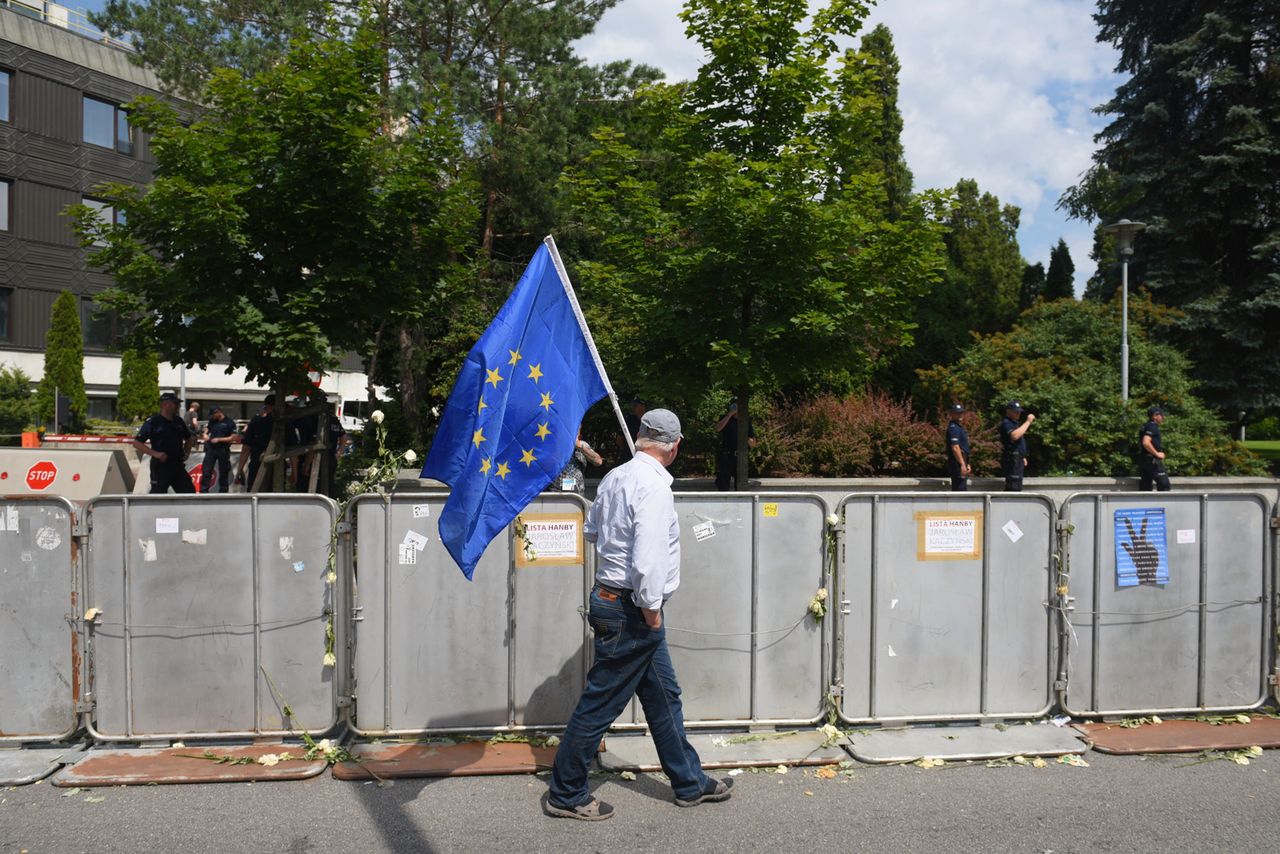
point(170, 442)
point(256, 438)
point(957, 450)
point(219, 433)
point(1151, 453)
point(1013, 442)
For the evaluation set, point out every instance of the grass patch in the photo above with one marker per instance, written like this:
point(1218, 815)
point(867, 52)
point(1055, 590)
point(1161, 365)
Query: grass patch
point(1268, 449)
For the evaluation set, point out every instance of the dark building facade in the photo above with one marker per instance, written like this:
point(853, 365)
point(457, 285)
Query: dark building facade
point(64, 130)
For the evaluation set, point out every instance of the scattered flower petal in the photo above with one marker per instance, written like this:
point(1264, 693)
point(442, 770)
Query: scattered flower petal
point(735, 772)
point(628, 775)
point(269, 759)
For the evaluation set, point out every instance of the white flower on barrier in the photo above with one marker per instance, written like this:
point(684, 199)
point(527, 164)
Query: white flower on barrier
point(330, 660)
point(410, 456)
point(818, 605)
point(269, 759)
point(833, 520)
point(376, 416)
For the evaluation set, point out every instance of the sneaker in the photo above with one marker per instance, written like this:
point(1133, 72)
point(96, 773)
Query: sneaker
point(593, 810)
point(719, 791)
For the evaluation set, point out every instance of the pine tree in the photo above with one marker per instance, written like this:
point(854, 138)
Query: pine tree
point(1193, 150)
point(139, 385)
point(882, 79)
point(1032, 285)
point(17, 403)
point(63, 362)
point(1059, 283)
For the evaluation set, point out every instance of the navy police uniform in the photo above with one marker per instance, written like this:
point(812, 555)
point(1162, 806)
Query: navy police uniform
point(1151, 469)
point(957, 437)
point(727, 456)
point(215, 471)
point(169, 437)
point(1013, 453)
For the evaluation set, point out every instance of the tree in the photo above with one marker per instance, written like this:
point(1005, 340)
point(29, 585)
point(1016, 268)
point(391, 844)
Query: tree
point(980, 289)
point(1033, 282)
point(63, 362)
point(749, 250)
point(1060, 281)
point(17, 404)
point(1193, 150)
point(1062, 358)
point(139, 385)
point(879, 66)
point(283, 226)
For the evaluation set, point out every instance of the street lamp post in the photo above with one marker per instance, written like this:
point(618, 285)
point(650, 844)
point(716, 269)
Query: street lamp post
point(1124, 230)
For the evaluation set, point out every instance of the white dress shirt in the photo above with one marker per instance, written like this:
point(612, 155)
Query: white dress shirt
point(637, 535)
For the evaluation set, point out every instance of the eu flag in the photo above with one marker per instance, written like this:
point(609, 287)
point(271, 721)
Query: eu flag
point(512, 420)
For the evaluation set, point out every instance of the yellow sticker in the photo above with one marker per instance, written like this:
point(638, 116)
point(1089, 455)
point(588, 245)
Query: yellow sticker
point(771, 509)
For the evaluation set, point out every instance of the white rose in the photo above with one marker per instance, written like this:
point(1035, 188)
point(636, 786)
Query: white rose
point(376, 416)
point(822, 594)
point(833, 520)
point(410, 456)
point(330, 660)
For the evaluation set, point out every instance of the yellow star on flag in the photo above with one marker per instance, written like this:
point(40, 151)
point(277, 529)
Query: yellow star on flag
point(503, 470)
point(528, 458)
point(535, 372)
point(478, 437)
point(485, 465)
point(543, 432)
point(483, 405)
point(494, 377)
point(515, 357)
point(546, 401)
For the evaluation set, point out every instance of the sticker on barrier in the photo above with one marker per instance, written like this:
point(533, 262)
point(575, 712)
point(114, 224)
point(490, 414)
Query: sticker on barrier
point(211, 615)
point(436, 652)
point(1167, 608)
point(745, 645)
point(943, 607)
point(40, 664)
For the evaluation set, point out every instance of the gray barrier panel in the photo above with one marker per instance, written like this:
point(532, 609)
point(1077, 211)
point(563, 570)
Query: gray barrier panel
point(1196, 643)
point(945, 613)
point(39, 655)
point(435, 652)
point(744, 646)
point(213, 615)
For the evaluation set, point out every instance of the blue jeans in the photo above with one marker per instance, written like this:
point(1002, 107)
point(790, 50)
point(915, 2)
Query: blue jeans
point(630, 658)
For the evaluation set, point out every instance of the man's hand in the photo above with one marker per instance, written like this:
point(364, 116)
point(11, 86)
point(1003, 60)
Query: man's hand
point(966, 469)
point(161, 456)
point(1030, 417)
point(1159, 455)
point(653, 619)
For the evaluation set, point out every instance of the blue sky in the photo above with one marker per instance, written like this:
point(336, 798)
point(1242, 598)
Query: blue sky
point(1001, 91)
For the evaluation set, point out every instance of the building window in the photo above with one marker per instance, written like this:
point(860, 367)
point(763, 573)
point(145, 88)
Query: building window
point(6, 311)
point(6, 203)
point(6, 86)
point(101, 326)
point(107, 125)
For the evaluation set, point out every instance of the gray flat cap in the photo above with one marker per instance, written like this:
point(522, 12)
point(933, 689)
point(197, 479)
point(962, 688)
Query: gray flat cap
point(661, 425)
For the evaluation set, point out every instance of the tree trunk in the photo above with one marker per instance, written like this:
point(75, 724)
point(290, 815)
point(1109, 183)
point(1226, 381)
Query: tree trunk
point(491, 197)
point(743, 427)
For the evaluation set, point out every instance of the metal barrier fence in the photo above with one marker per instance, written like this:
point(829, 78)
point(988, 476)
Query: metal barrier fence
point(39, 643)
point(742, 640)
point(210, 612)
point(944, 607)
point(435, 652)
point(212, 615)
point(1171, 603)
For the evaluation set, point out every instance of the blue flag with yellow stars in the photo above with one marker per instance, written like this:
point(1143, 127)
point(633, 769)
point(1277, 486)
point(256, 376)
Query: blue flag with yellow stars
point(512, 420)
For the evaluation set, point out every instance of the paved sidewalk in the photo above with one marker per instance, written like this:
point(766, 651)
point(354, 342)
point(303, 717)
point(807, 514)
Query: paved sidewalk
point(1119, 804)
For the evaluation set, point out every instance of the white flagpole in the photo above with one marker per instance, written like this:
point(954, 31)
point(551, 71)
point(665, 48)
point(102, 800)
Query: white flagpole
point(586, 333)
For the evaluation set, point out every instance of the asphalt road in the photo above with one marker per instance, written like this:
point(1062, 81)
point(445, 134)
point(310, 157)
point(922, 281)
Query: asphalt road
point(1149, 804)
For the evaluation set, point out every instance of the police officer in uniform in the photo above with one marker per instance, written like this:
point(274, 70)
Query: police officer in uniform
point(1151, 453)
point(1013, 441)
point(170, 441)
point(219, 433)
point(957, 451)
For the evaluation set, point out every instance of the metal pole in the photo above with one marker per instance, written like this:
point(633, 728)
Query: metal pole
point(182, 390)
point(1124, 330)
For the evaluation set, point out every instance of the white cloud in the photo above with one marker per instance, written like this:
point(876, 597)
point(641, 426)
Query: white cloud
point(1000, 91)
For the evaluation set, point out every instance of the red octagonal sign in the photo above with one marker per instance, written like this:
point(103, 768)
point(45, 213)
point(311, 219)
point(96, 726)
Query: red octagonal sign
point(40, 476)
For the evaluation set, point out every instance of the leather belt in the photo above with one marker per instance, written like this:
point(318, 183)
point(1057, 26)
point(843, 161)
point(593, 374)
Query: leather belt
point(612, 594)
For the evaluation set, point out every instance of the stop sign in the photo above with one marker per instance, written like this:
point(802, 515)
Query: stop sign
point(40, 476)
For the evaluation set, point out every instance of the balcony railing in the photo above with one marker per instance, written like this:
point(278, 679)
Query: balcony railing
point(57, 15)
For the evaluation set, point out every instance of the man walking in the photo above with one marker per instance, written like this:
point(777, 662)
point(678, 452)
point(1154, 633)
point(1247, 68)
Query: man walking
point(1151, 454)
point(637, 535)
point(170, 441)
point(219, 433)
point(1013, 442)
point(957, 450)
point(727, 456)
